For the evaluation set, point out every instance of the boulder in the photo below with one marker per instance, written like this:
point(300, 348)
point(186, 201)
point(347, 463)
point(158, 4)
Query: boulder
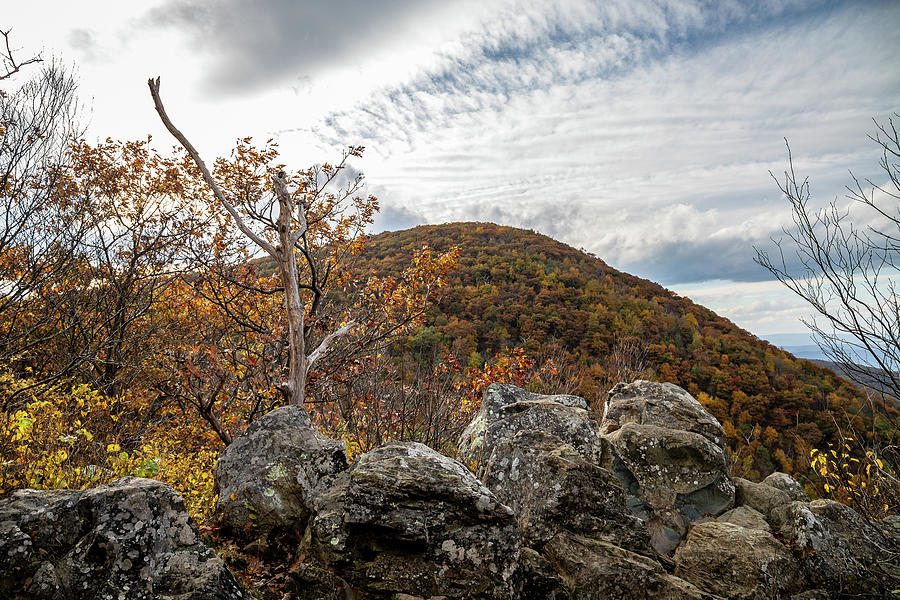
point(506, 410)
point(597, 570)
point(404, 519)
point(788, 485)
point(266, 474)
point(669, 454)
point(130, 539)
point(736, 562)
point(758, 496)
point(552, 488)
point(745, 516)
point(837, 549)
point(662, 404)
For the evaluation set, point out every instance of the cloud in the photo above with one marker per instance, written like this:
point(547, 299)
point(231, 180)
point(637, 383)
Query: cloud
point(395, 218)
point(251, 44)
point(647, 140)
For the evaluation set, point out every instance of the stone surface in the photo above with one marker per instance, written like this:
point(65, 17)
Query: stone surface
point(736, 562)
point(745, 516)
point(837, 549)
point(669, 455)
point(265, 476)
point(597, 570)
point(662, 404)
point(760, 497)
point(131, 539)
point(786, 484)
point(539, 578)
point(552, 488)
point(506, 410)
point(404, 519)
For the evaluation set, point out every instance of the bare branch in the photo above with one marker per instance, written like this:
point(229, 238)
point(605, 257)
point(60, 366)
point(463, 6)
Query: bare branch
point(207, 176)
point(326, 343)
point(8, 59)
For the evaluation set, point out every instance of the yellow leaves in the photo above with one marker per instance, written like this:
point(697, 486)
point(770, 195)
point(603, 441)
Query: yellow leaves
point(113, 448)
point(854, 480)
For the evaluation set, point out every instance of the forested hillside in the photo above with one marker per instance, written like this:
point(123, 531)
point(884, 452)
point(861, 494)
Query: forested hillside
point(516, 288)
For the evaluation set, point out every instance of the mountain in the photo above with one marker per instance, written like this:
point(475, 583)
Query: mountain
point(518, 288)
point(800, 345)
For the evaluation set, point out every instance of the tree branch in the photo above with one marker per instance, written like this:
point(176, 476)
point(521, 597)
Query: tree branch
point(207, 176)
point(326, 344)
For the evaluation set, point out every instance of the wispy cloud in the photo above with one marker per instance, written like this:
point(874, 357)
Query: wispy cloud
point(642, 133)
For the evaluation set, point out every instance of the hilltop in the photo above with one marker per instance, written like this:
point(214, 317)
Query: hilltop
point(518, 288)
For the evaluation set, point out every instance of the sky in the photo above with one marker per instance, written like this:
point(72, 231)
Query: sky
point(642, 132)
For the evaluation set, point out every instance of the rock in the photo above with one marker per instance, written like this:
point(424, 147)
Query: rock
point(837, 549)
point(309, 582)
point(736, 562)
point(597, 570)
point(539, 578)
point(552, 488)
point(669, 454)
point(662, 404)
point(404, 519)
point(130, 539)
point(506, 410)
point(265, 476)
point(788, 485)
point(744, 516)
point(758, 496)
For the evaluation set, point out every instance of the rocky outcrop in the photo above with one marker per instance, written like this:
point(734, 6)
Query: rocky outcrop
point(552, 488)
point(407, 520)
point(506, 410)
point(737, 562)
point(838, 549)
point(597, 570)
point(264, 478)
point(669, 453)
point(131, 539)
point(580, 539)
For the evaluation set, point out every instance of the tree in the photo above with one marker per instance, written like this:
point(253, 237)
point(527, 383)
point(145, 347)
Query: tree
point(848, 270)
point(40, 226)
point(289, 228)
point(310, 223)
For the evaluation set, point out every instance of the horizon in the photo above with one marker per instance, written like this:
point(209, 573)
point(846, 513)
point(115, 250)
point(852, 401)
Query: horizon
point(642, 132)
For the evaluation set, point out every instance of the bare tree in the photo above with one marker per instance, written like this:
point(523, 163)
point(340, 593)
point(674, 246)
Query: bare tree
point(282, 239)
point(848, 270)
point(40, 228)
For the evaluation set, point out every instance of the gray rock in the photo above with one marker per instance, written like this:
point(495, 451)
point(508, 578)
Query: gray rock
point(837, 549)
point(758, 496)
point(404, 519)
point(669, 455)
point(744, 516)
point(506, 410)
point(736, 562)
point(552, 488)
point(265, 476)
point(662, 404)
point(131, 539)
point(788, 485)
point(597, 570)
